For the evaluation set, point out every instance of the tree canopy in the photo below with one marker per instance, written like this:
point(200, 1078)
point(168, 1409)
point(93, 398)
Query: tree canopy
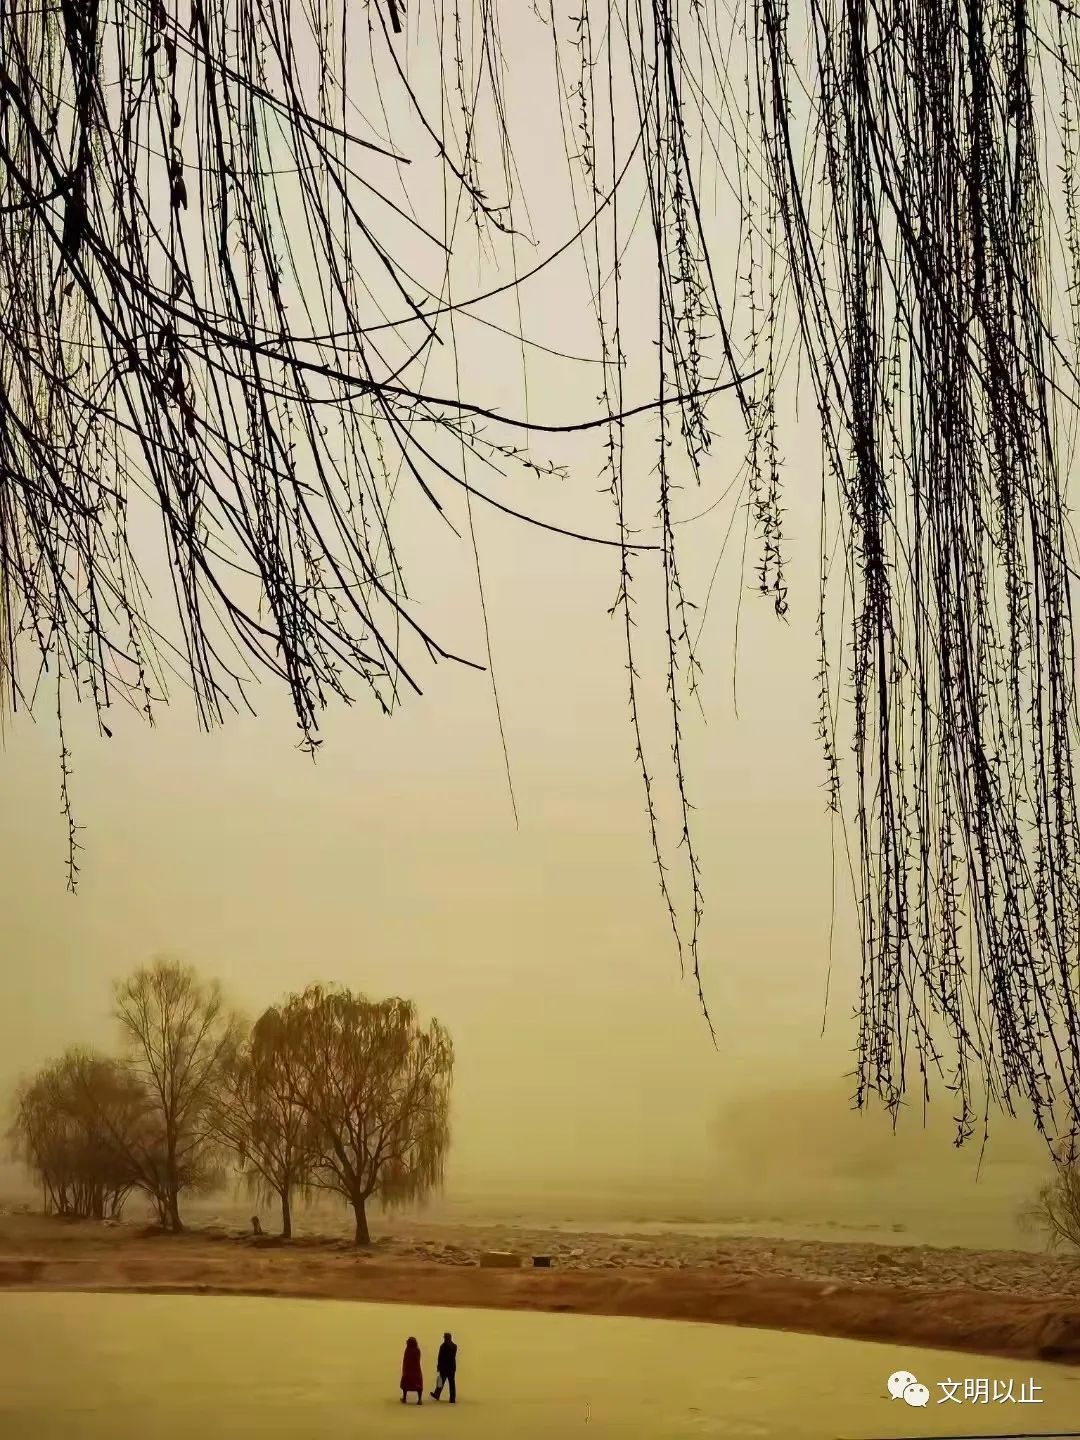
point(180, 1042)
point(259, 1116)
point(375, 1086)
point(81, 1127)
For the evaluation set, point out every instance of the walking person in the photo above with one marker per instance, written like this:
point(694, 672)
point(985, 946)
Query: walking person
point(447, 1368)
point(412, 1376)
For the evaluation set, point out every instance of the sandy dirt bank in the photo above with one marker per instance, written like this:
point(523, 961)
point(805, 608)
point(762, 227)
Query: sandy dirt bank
point(990, 1302)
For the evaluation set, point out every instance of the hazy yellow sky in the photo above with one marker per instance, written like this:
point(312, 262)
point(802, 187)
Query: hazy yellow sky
point(392, 863)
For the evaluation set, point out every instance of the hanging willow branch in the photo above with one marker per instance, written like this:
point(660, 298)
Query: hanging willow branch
point(907, 211)
point(194, 283)
point(205, 319)
point(927, 269)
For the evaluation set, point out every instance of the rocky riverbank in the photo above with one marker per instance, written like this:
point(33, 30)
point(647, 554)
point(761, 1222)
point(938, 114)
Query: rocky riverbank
point(1003, 1302)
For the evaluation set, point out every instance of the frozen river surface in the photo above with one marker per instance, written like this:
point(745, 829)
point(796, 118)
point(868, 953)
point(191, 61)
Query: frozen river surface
point(149, 1367)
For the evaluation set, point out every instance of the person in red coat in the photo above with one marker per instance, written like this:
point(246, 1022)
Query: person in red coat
point(412, 1377)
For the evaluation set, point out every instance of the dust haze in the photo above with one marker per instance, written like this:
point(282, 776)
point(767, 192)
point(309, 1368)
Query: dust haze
point(586, 1084)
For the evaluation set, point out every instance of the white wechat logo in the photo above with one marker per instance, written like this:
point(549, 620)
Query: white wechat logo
point(902, 1385)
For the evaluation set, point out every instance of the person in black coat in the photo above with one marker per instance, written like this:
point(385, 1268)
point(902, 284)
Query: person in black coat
point(446, 1365)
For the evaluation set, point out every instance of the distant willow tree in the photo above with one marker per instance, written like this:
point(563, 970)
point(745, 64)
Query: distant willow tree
point(375, 1085)
point(76, 1126)
point(258, 1116)
point(213, 356)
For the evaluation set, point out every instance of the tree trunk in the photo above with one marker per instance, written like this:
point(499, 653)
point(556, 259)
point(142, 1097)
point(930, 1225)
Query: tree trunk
point(175, 1223)
point(363, 1236)
point(172, 1179)
point(286, 1215)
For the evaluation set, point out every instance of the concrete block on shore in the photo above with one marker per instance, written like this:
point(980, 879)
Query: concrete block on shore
point(499, 1260)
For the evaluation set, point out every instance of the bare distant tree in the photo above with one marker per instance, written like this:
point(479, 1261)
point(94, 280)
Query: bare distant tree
point(127, 1125)
point(181, 1040)
point(78, 1126)
point(376, 1086)
point(1055, 1211)
point(36, 1138)
point(260, 1119)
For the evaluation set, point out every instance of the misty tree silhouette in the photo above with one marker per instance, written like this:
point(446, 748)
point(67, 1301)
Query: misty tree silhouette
point(208, 338)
